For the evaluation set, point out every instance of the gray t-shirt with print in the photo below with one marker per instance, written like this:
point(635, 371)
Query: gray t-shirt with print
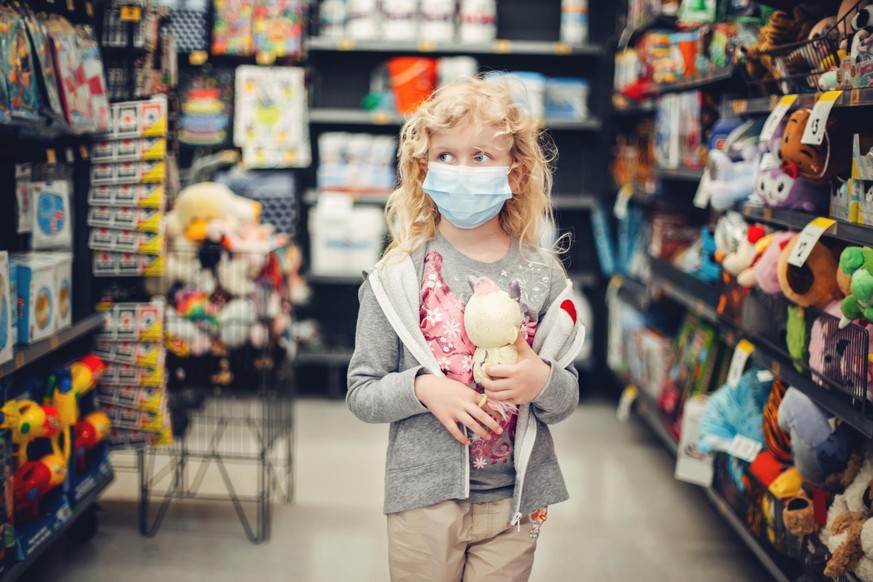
point(541, 279)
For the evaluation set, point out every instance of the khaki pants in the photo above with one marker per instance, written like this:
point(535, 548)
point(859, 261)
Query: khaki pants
point(457, 540)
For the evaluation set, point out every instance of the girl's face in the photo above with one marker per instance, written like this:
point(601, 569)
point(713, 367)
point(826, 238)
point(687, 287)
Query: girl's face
point(466, 145)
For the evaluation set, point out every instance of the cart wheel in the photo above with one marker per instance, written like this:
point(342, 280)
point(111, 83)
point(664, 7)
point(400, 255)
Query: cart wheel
point(85, 527)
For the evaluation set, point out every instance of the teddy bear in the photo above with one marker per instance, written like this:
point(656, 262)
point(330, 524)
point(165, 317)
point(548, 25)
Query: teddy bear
point(848, 534)
point(492, 320)
point(857, 263)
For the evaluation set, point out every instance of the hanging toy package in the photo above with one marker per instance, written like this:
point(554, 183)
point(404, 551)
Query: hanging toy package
point(207, 104)
point(42, 48)
point(93, 90)
point(19, 66)
point(71, 71)
point(278, 27)
point(232, 28)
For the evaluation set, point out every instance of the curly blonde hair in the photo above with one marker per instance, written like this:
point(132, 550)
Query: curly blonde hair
point(411, 214)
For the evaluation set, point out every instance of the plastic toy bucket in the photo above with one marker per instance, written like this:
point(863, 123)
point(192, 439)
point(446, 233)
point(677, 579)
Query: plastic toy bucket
point(413, 79)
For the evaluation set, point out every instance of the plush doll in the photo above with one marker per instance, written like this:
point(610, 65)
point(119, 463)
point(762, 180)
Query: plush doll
point(184, 337)
point(813, 284)
point(857, 263)
point(778, 440)
point(197, 205)
point(729, 231)
point(818, 450)
point(710, 270)
point(730, 181)
point(849, 533)
point(781, 29)
point(235, 322)
point(493, 321)
point(235, 275)
point(735, 410)
point(766, 268)
point(741, 263)
point(818, 164)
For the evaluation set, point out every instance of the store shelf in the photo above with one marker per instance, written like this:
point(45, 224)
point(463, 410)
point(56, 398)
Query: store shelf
point(623, 107)
point(498, 47)
point(796, 220)
point(714, 78)
point(20, 568)
point(26, 355)
point(575, 202)
point(310, 197)
point(648, 410)
point(680, 174)
point(763, 105)
point(330, 116)
point(695, 295)
point(743, 532)
point(633, 292)
point(650, 23)
point(343, 280)
point(331, 358)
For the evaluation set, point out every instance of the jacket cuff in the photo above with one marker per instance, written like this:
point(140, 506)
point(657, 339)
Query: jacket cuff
point(545, 399)
point(407, 400)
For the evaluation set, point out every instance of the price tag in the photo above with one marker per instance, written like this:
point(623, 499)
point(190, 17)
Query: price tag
point(502, 46)
point(345, 44)
point(54, 342)
point(131, 13)
point(815, 127)
point(89, 8)
point(616, 282)
point(70, 6)
point(628, 397)
point(744, 448)
point(622, 199)
point(807, 239)
point(197, 57)
point(704, 192)
point(51, 157)
point(265, 58)
point(71, 157)
point(776, 116)
point(426, 46)
point(740, 106)
point(742, 352)
point(83, 151)
point(381, 118)
point(19, 359)
point(562, 48)
point(776, 368)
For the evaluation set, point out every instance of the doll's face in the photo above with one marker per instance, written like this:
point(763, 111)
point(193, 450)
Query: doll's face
point(774, 186)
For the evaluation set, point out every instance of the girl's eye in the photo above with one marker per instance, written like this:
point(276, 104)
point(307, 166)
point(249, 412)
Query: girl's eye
point(481, 157)
point(446, 157)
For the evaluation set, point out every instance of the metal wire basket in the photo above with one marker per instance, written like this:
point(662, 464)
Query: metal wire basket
point(800, 65)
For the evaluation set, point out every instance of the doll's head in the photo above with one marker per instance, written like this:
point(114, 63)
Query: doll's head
point(477, 105)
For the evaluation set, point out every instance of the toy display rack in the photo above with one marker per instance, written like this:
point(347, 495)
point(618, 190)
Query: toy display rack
point(497, 47)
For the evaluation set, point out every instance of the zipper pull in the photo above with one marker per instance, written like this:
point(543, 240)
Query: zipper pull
point(516, 520)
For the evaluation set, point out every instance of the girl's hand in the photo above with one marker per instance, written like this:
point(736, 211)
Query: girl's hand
point(452, 402)
point(518, 383)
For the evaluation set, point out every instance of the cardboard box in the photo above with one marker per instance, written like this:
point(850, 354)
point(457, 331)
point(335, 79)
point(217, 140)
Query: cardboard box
point(36, 297)
point(63, 289)
point(52, 222)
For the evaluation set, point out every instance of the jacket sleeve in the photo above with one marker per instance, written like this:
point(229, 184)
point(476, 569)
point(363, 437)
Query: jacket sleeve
point(377, 390)
point(560, 396)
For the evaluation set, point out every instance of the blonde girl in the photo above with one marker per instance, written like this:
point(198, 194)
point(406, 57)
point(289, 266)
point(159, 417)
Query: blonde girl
point(466, 488)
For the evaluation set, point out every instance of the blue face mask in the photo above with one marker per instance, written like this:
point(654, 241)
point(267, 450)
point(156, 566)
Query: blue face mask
point(467, 196)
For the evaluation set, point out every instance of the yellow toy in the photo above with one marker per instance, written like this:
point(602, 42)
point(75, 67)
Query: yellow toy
point(29, 421)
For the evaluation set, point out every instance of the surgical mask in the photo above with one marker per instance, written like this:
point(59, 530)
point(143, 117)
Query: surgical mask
point(467, 196)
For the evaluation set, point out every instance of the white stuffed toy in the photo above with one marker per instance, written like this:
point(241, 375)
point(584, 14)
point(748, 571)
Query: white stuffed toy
point(493, 321)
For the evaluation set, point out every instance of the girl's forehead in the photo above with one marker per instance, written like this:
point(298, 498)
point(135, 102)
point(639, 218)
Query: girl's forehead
point(467, 134)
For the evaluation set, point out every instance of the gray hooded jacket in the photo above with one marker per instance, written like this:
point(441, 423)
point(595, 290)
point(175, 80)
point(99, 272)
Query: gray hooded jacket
point(425, 464)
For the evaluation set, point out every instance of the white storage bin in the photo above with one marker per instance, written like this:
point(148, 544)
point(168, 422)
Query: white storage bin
point(345, 239)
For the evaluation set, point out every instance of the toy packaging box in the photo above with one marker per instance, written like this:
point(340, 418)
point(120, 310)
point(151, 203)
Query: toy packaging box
point(860, 186)
point(121, 264)
point(693, 466)
point(52, 223)
point(63, 289)
point(134, 322)
point(36, 296)
point(13, 298)
point(8, 304)
point(128, 195)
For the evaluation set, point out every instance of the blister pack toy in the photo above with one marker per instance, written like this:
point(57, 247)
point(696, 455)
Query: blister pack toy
point(42, 49)
point(19, 66)
point(232, 28)
point(278, 27)
point(93, 89)
point(71, 71)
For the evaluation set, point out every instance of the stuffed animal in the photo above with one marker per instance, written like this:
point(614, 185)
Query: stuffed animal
point(778, 441)
point(493, 321)
point(818, 164)
point(729, 231)
point(818, 450)
point(741, 263)
point(236, 320)
point(857, 263)
point(782, 29)
point(730, 181)
point(735, 410)
point(766, 275)
point(813, 284)
point(710, 270)
point(197, 205)
point(847, 534)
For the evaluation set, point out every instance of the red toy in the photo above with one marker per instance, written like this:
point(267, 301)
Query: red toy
point(87, 434)
point(32, 481)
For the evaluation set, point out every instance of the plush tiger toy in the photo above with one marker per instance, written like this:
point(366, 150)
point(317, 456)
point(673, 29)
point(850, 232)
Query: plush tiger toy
point(777, 440)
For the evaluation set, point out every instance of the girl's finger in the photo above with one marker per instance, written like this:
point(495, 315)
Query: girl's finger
point(453, 429)
point(500, 384)
point(484, 418)
point(500, 370)
point(503, 396)
point(473, 425)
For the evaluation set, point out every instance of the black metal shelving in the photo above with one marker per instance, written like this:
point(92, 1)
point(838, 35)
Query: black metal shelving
point(695, 295)
point(716, 77)
point(85, 505)
point(497, 47)
point(679, 174)
point(795, 220)
point(363, 118)
point(763, 105)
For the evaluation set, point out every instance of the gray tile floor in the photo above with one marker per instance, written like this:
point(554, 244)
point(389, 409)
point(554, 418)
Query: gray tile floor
point(627, 518)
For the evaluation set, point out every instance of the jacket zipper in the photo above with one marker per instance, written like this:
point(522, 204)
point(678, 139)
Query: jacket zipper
point(530, 435)
point(407, 340)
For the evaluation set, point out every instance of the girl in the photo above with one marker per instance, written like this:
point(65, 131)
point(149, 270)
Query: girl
point(461, 479)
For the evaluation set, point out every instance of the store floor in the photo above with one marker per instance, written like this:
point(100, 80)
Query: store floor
point(627, 518)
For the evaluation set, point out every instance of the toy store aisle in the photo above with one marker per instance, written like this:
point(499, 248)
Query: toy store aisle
point(627, 518)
